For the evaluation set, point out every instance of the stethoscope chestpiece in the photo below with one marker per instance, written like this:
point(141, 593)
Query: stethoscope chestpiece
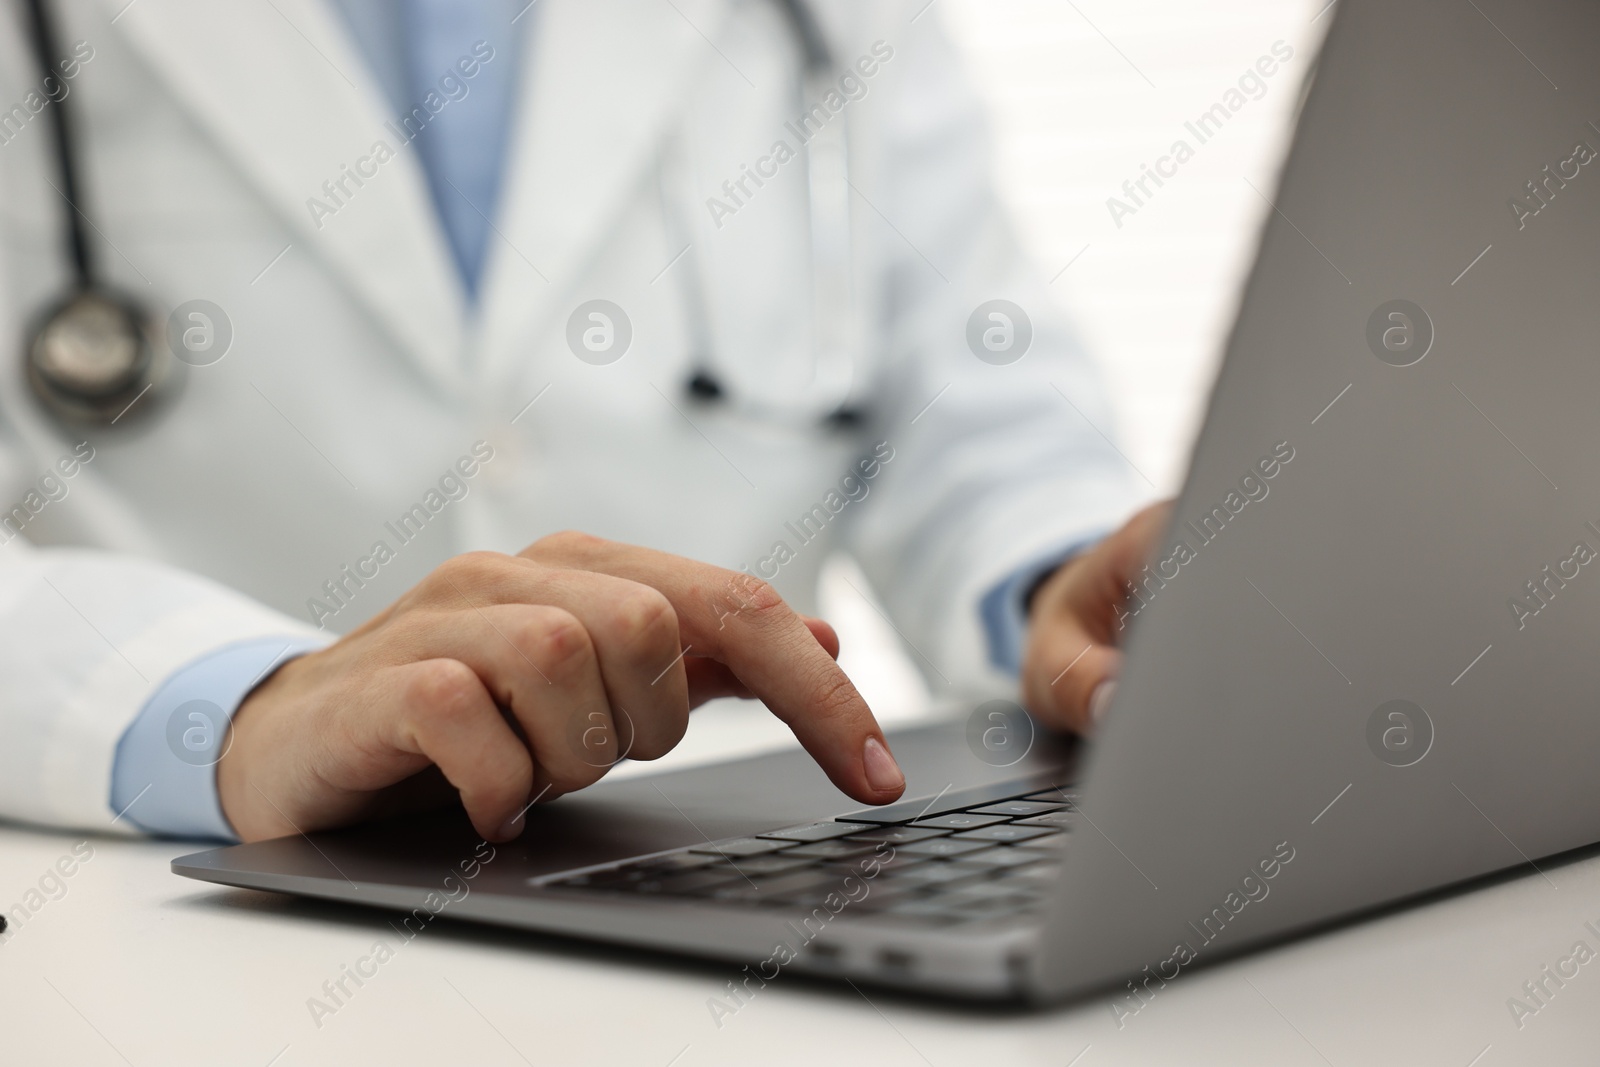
point(92, 354)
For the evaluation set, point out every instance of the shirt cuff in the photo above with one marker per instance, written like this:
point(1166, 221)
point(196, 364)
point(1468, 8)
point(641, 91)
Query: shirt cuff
point(163, 777)
point(1004, 608)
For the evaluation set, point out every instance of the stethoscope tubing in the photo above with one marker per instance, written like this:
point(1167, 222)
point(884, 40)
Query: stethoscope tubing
point(46, 47)
point(827, 182)
point(91, 353)
point(95, 401)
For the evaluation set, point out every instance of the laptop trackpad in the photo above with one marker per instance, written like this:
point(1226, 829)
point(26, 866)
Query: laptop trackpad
point(610, 821)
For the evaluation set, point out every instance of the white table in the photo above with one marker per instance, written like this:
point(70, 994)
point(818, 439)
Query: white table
point(135, 965)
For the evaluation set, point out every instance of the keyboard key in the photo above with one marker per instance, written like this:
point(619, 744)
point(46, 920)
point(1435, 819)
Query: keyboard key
point(605, 878)
point(1017, 809)
point(1063, 819)
point(779, 863)
point(744, 846)
point(1054, 796)
point(1052, 843)
point(871, 865)
point(816, 831)
point(898, 835)
point(936, 874)
point(1043, 872)
point(881, 894)
point(795, 887)
point(738, 893)
point(833, 850)
point(672, 861)
point(1006, 858)
point(960, 820)
point(942, 847)
point(685, 883)
point(1007, 832)
point(942, 803)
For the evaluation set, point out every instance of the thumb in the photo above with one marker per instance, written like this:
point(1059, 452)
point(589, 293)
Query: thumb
point(1072, 661)
point(1068, 675)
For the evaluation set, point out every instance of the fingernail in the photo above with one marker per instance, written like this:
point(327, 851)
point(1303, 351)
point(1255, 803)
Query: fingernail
point(883, 773)
point(1100, 699)
point(512, 827)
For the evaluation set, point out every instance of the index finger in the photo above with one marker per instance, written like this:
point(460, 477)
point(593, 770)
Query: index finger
point(741, 621)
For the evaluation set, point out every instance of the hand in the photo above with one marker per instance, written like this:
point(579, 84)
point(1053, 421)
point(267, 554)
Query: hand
point(1070, 667)
point(505, 680)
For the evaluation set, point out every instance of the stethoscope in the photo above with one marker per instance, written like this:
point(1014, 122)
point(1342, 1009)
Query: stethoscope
point(94, 351)
point(832, 398)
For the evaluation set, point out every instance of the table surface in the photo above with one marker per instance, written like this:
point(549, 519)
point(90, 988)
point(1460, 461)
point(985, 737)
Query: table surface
point(128, 964)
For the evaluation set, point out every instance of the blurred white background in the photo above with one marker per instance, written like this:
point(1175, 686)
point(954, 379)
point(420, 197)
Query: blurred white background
point(1083, 94)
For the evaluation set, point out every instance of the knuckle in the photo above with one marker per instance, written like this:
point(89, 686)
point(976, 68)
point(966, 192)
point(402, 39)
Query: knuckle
point(445, 688)
point(758, 598)
point(579, 755)
point(764, 599)
point(469, 570)
point(564, 542)
point(555, 641)
point(596, 742)
point(645, 615)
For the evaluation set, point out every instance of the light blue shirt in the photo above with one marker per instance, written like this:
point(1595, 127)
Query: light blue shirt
point(163, 778)
point(449, 71)
point(1004, 608)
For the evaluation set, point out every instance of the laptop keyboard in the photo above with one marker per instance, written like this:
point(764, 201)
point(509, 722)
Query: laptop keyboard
point(981, 854)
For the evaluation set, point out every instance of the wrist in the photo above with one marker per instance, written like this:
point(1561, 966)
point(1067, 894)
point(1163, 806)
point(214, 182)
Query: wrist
point(237, 794)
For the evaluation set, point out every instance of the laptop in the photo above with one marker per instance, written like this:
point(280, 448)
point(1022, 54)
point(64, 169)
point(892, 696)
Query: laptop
point(1362, 665)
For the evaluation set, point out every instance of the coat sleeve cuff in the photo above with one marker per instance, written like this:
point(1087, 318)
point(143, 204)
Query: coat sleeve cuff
point(164, 777)
point(1004, 609)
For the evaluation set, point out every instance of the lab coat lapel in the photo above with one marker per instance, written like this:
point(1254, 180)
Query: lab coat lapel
point(281, 89)
point(603, 82)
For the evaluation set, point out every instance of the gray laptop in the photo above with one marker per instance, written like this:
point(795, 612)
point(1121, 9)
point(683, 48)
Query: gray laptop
point(1364, 662)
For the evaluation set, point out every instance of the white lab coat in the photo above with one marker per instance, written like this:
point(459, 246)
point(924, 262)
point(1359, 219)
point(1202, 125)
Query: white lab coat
point(358, 375)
